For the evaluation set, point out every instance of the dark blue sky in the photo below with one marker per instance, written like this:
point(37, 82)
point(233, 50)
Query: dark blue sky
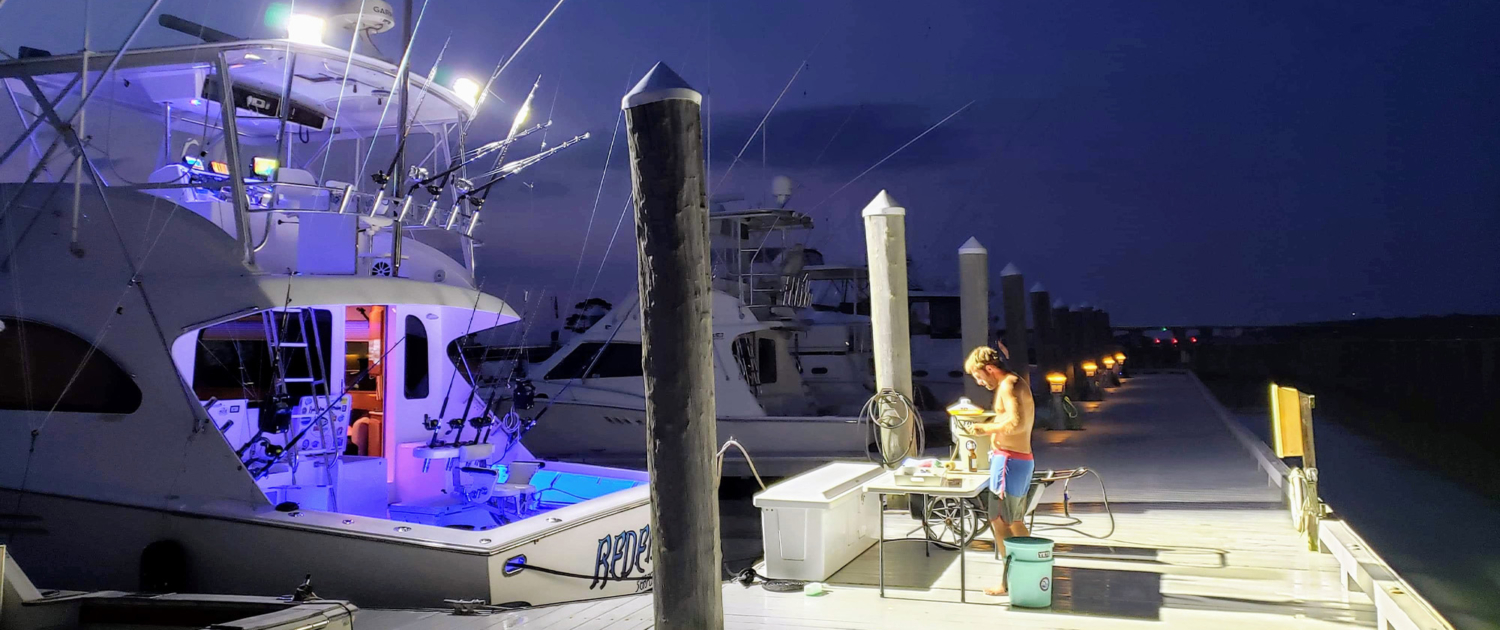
point(1219, 162)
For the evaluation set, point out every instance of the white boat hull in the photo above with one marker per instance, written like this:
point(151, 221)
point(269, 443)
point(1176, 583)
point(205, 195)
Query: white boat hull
point(260, 552)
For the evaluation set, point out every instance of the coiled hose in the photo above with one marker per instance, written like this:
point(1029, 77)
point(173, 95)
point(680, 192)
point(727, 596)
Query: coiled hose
point(891, 410)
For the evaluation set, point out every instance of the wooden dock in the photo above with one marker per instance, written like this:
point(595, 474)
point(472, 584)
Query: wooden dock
point(1201, 540)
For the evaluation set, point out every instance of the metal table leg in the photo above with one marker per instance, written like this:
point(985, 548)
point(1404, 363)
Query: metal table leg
point(963, 573)
point(880, 544)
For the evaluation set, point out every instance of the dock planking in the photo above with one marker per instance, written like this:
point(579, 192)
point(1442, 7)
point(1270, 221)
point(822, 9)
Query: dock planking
point(1201, 540)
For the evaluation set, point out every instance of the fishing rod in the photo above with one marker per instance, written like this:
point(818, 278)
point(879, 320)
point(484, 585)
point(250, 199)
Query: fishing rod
point(436, 188)
point(381, 177)
point(521, 115)
point(516, 167)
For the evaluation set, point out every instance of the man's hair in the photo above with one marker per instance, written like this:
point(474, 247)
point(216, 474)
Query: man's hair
point(982, 356)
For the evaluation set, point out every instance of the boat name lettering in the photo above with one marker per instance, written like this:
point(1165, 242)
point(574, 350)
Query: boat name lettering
point(619, 556)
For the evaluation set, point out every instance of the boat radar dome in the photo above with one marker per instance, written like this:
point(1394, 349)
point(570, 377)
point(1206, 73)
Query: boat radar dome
point(365, 18)
point(781, 189)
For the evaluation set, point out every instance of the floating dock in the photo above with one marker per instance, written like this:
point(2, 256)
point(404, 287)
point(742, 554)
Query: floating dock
point(1202, 539)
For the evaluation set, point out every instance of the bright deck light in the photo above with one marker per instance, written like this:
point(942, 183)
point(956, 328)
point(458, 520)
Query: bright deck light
point(1089, 367)
point(304, 29)
point(467, 90)
point(1120, 357)
point(1056, 381)
point(1109, 363)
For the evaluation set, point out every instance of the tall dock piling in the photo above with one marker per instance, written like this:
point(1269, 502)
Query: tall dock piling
point(885, 248)
point(974, 304)
point(1013, 296)
point(671, 222)
point(1046, 348)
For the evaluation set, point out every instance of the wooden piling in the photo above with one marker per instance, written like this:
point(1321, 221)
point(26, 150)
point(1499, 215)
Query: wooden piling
point(1046, 337)
point(974, 303)
point(671, 217)
point(885, 247)
point(1013, 296)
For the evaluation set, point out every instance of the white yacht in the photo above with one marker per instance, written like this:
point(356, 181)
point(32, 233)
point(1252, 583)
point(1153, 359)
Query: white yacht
point(228, 357)
point(791, 380)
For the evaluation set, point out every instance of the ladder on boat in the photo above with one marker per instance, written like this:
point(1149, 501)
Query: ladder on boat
point(285, 341)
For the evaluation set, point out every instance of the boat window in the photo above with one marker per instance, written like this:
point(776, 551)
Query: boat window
point(615, 360)
point(45, 368)
point(766, 357)
point(936, 317)
point(417, 369)
point(233, 359)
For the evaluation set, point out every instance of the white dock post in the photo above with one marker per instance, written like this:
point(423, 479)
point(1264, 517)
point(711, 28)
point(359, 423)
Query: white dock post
point(671, 222)
point(974, 304)
point(1013, 296)
point(885, 247)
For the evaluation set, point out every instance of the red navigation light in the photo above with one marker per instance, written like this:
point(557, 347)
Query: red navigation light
point(1156, 340)
point(1174, 341)
point(1193, 339)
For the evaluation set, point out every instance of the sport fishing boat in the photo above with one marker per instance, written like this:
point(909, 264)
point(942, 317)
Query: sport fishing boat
point(228, 350)
point(792, 381)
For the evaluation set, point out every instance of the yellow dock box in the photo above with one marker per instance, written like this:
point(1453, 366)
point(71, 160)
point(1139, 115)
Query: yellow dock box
point(1286, 421)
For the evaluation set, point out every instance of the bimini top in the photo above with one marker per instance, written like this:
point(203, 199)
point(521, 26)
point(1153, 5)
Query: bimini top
point(321, 74)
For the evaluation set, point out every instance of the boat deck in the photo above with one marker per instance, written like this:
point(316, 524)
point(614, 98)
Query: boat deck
point(1201, 540)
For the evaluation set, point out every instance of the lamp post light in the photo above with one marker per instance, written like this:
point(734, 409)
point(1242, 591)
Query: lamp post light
point(1057, 384)
point(1109, 378)
point(1090, 380)
point(1120, 362)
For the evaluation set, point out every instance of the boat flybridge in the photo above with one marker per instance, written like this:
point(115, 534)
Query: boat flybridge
point(226, 351)
point(791, 382)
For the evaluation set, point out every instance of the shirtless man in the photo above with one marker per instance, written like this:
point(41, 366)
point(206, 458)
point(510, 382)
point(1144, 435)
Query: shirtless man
point(1010, 452)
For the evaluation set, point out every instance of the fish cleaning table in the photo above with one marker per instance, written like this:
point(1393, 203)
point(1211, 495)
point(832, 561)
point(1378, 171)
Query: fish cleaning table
point(970, 485)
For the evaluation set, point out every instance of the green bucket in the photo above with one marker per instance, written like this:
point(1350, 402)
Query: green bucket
point(1028, 573)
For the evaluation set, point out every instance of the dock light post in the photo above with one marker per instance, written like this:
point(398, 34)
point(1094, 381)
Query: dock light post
point(1091, 382)
point(663, 126)
point(974, 306)
point(1109, 371)
point(1057, 384)
point(1120, 361)
point(885, 247)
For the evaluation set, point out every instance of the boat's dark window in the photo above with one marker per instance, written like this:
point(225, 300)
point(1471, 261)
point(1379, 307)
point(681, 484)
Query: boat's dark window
point(417, 369)
point(766, 357)
point(947, 318)
point(233, 359)
point(615, 360)
point(45, 368)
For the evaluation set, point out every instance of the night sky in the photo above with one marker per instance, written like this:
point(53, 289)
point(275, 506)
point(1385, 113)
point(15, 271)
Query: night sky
point(1174, 162)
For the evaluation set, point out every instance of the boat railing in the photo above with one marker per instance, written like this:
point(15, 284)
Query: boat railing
point(297, 198)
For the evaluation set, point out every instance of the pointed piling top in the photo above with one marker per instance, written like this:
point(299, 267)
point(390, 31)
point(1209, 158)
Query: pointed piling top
point(972, 246)
point(884, 205)
point(1083, 306)
point(1058, 303)
point(1010, 270)
point(660, 84)
point(1038, 288)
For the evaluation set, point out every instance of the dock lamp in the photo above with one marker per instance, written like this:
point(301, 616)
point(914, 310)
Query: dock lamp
point(1120, 361)
point(1110, 377)
point(1091, 382)
point(1057, 383)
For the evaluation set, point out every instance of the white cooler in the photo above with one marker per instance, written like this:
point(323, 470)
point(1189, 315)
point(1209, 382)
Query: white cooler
point(815, 523)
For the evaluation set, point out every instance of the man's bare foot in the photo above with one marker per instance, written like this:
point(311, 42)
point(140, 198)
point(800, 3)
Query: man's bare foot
point(996, 590)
